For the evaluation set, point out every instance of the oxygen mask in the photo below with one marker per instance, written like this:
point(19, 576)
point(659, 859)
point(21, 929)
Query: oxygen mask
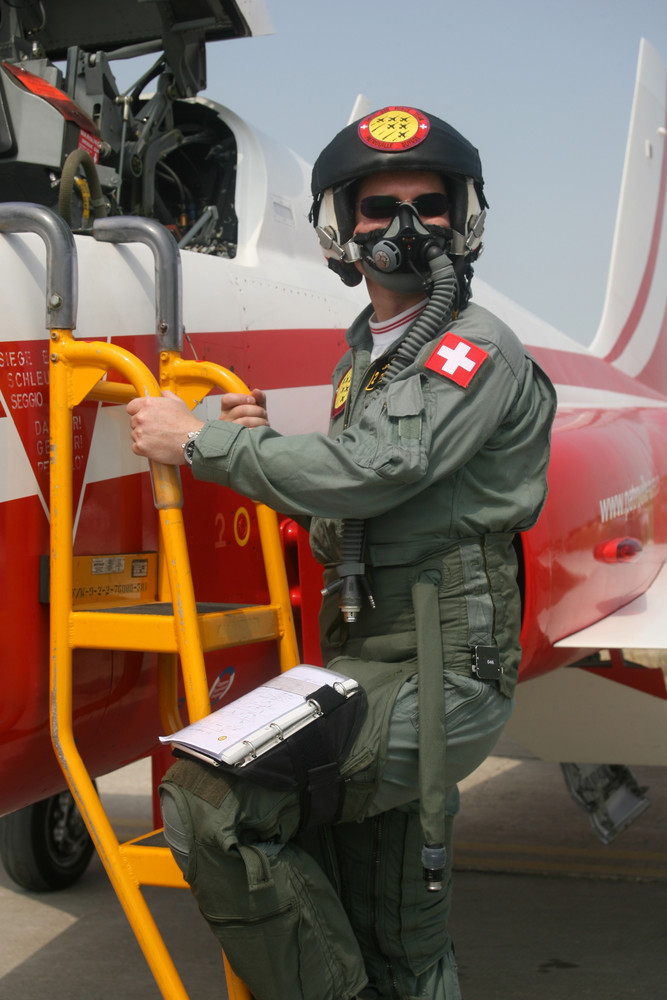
point(398, 256)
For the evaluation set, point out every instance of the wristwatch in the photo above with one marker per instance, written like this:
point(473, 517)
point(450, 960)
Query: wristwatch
point(189, 447)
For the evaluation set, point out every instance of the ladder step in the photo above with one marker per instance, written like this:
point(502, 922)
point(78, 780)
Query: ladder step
point(152, 627)
point(151, 861)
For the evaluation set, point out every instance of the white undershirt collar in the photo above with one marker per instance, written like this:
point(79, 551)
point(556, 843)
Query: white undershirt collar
point(390, 330)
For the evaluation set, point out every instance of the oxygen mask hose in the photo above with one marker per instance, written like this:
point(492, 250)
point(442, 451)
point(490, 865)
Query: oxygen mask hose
point(435, 315)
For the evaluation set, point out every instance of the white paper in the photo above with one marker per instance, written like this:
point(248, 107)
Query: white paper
point(253, 723)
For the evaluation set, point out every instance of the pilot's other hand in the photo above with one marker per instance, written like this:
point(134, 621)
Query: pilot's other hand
point(247, 410)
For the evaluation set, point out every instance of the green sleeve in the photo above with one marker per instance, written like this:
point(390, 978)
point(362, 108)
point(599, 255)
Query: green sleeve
point(419, 429)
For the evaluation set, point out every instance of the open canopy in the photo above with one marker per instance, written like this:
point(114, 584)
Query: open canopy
point(58, 24)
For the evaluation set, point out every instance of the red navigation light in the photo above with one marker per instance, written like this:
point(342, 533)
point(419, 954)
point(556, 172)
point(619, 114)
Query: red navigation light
point(618, 550)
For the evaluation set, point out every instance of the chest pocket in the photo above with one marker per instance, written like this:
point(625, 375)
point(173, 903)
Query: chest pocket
point(402, 433)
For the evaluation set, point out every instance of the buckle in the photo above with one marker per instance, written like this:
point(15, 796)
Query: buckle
point(486, 663)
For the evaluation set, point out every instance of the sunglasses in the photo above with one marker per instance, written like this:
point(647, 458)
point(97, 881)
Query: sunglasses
point(383, 206)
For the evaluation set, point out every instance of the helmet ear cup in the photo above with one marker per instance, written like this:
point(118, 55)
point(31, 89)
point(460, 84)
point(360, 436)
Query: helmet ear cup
point(332, 215)
point(344, 199)
point(457, 194)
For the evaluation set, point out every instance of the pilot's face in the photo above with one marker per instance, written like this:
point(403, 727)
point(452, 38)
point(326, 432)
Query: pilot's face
point(398, 185)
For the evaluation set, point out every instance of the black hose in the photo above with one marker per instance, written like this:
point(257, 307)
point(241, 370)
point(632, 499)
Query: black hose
point(353, 583)
point(433, 317)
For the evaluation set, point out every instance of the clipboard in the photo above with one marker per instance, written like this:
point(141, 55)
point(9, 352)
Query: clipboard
point(246, 728)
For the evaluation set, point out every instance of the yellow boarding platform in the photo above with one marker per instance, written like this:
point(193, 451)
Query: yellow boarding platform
point(173, 626)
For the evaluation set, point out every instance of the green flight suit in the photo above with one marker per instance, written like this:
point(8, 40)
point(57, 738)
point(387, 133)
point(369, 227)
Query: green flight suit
point(444, 473)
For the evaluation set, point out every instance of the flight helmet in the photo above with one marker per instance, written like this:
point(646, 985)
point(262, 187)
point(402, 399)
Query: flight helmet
point(398, 138)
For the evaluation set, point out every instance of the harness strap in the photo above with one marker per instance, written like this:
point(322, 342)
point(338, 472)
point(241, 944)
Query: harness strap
point(431, 707)
point(316, 766)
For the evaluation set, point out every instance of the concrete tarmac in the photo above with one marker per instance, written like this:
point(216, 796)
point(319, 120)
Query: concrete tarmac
point(542, 910)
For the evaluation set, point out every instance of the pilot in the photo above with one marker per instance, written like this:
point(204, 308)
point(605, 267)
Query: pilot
point(436, 457)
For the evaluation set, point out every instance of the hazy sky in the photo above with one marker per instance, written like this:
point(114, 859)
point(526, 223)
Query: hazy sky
point(542, 88)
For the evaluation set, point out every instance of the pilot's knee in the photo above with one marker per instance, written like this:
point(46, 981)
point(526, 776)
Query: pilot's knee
point(177, 828)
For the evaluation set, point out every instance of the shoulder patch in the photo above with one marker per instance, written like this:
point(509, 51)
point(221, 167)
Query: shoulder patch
point(457, 359)
point(341, 393)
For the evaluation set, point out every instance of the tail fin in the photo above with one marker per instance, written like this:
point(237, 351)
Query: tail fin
point(633, 329)
point(362, 106)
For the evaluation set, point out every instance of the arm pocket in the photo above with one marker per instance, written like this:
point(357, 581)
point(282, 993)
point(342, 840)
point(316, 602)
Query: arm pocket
point(403, 436)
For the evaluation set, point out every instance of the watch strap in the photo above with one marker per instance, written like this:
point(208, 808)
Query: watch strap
point(189, 446)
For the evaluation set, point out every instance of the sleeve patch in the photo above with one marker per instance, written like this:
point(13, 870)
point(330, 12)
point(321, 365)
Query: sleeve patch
point(341, 393)
point(457, 359)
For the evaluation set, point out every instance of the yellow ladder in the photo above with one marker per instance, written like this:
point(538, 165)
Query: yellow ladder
point(77, 371)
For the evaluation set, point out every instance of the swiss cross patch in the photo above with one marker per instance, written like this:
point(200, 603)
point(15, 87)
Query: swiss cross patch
point(457, 359)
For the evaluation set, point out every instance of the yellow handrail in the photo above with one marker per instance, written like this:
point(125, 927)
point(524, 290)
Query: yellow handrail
point(76, 370)
point(65, 392)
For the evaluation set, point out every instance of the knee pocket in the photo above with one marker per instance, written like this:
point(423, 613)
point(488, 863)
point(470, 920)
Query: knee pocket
point(288, 936)
point(269, 905)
